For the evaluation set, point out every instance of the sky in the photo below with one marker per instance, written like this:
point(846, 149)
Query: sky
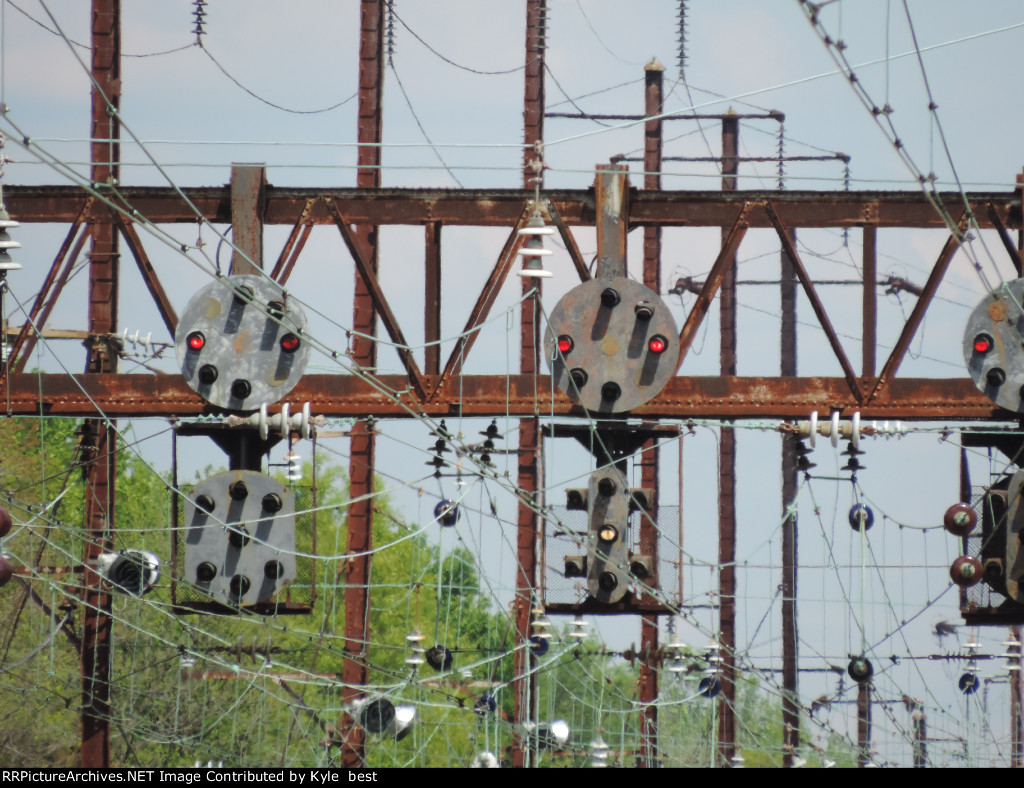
point(452, 118)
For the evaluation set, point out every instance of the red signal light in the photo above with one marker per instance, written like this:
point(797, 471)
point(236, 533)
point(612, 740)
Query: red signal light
point(982, 343)
point(565, 344)
point(290, 343)
point(196, 341)
point(657, 344)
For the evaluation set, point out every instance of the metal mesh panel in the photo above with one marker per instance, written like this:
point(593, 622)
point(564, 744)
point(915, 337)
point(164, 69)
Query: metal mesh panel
point(566, 534)
point(298, 596)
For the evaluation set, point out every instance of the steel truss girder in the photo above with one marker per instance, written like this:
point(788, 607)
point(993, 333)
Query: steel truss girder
point(501, 207)
point(345, 395)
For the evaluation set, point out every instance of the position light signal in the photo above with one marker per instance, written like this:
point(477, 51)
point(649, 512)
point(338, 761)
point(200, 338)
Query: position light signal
point(607, 557)
point(196, 341)
point(983, 343)
point(657, 344)
point(290, 343)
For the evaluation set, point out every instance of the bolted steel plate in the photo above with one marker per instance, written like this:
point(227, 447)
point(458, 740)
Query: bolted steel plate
point(241, 343)
point(993, 350)
point(619, 344)
point(240, 539)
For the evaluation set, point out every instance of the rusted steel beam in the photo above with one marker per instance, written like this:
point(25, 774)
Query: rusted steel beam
point(650, 458)
point(485, 300)
point(714, 397)
point(248, 182)
point(99, 438)
point(714, 281)
point(299, 234)
point(525, 681)
point(500, 207)
point(289, 266)
point(869, 321)
point(612, 195)
point(149, 276)
point(362, 257)
point(727, 467)
point(362, 454)
point(570, 242)
point(917, 315)
point(432, 298)
point(44, 302)
point(864, 724)
point(812, 296)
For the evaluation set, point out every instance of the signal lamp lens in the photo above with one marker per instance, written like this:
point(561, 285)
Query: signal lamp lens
point(565, 344)
point(207, 374)
point(608, 533)
point(290, 343)
point(608, 581)
point(238, 586)
point(205, 572)
point(995, 377)
point(241, 389)
point(982, 343)
point(196, 341)
point(657, 344)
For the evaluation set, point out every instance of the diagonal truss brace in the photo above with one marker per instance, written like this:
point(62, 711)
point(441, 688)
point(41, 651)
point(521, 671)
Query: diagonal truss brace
point(713, 282)
point(923, 302)
point(570, 242)
point(149, 276)
point(45, 300)
point(293, 246)
point(484, 302)
point(816, 305)
point(380, 302)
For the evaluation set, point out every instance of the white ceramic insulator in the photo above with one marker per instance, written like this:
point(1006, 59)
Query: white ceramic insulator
point(855, 432)
point(813, 434)
point(834, 431)
point(262, 422)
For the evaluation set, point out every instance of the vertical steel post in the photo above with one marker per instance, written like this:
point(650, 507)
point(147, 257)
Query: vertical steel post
point(432, 306)
point(863, 724)
point(919, 728)
point(870, 267)
point(100, 438)
point(790, 639)
point(649, 460)
point(359, 542)
point(727, 476)
point(247, 199)
point(529, 429)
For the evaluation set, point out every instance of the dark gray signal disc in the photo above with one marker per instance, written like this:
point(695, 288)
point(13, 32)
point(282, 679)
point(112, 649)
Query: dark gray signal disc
point(993, 350)
point(241, 343)
point(611, 325)
point(247, 570)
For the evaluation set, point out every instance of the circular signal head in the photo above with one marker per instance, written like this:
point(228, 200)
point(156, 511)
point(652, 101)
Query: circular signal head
point(608, 533)
point(240, 328)
point(290, 343)
point(992, 350)
point(565, 344)
point(657, 344)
